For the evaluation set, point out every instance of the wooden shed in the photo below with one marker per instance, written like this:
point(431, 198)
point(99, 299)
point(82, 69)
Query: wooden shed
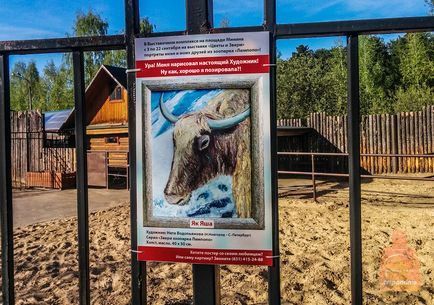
point(107, 128)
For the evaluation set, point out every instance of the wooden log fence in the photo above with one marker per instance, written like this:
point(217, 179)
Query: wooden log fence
point(410, 133)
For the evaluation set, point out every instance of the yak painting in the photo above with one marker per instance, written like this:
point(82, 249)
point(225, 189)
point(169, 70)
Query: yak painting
point(201, 153)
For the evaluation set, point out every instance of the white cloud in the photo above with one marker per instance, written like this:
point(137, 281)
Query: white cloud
point(9, 32)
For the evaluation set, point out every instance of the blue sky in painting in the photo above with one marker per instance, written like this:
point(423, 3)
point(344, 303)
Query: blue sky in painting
point(30, 19)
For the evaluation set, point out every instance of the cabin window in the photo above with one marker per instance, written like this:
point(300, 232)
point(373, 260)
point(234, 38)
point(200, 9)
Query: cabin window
point(112, 140)
point(116, 95)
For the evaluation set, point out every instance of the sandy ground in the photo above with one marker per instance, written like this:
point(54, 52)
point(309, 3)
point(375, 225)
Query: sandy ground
point(314, 253)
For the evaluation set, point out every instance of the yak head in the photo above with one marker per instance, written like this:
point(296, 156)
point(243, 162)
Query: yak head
point(194, 157)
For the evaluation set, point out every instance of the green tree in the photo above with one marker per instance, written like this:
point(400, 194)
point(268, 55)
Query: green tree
point(26, 90)
point(374, 75)
point(54, 89)
point(57, 87)
point(92, 24)
point(414, 57)
point(146, 26)
point(300, 85)
point(19, 87)
point(88, 24)
point(336, 81)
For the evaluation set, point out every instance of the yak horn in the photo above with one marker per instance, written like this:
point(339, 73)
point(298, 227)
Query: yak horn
point(166, 113)
point(229, 122)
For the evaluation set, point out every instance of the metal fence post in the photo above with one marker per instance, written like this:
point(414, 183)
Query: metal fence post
point(354, 169)
point(274, 294)
point(82, 187)
point(313, 177)
point(199, 16)
point(7, 237)
point(138, 269)
point(206, 278)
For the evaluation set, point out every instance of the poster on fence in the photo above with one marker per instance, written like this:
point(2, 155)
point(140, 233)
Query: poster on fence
point(203, 149)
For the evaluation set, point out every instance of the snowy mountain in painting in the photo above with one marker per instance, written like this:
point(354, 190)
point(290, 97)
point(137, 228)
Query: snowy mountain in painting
point(179, 103)
point(213, 200)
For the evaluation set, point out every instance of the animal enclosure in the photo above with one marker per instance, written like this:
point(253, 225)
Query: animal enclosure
point(407, 133)
point(206, 284)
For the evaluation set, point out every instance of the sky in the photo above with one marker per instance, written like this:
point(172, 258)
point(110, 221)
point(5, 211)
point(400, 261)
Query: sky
point(35, 19)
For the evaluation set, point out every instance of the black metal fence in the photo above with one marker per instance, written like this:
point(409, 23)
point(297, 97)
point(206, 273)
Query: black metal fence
point(199, 20)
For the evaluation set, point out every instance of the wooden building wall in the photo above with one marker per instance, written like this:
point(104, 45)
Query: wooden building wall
point(99, 142)
point(112, 111)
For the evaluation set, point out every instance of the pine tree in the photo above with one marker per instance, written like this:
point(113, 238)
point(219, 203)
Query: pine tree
point(57, 87)
point(301, 89)
point(414, 56)
point(336, 81)
point(374, 76)
point(26, 90)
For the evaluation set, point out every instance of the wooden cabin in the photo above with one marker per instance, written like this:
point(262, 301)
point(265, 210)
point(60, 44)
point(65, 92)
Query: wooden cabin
point(107, 128)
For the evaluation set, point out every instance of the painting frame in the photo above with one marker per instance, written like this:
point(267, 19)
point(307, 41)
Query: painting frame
point(255, 84)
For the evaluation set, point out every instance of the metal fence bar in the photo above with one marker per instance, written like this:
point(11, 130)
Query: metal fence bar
point(354, 170)
point(82, 186)
point(55, 45)
point(355, 27)
point(312, 29)
point(206, 278)
point(199, 16)
point(199, 19)
point(274, 295)
point(313, 177)
point(7, 237)
point(206, 284)
point(138, 269)
point(294, 153)
point(317, 174)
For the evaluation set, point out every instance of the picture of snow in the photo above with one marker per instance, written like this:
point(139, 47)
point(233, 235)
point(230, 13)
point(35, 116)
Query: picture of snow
point(201, 160)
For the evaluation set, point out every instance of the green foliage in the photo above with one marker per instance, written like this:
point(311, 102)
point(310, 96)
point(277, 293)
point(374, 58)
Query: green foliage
point(336, 80)
point(312, 82)
point(300, 83)
point(414, 56)
point(89, 24)
point(146, 26)
point(395, 76)
point(57, 87)
point(53, 90)
point(92, 24)
point(25, 86)
point(374, 75)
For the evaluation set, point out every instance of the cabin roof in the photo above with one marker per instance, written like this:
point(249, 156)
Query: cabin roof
point(117, 73)
point(106, 76)
point(53, 120)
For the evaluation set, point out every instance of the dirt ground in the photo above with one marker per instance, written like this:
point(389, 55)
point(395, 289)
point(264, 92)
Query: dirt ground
point(314, 253)
point(33, 206)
